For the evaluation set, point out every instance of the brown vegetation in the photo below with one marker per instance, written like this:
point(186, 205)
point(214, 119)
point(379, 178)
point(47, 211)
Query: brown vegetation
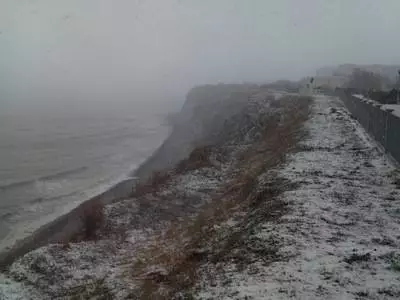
point(169, 266)
point(153, 184)
point(93, 219)
point(198, 158)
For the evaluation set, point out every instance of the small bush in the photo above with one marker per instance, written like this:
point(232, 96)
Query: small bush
point(152, 185)
point(93, 219)
point(395, 263)
point(198, 158)
point(355, 257)
point(395, 177)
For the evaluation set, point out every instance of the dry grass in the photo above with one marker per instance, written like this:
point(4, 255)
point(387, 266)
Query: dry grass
point(198, 158)
point(93, 219)
point(169, 266)
point(155, 182)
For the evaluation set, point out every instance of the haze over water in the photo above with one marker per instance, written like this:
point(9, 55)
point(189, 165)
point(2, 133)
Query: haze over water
point(81, 81)
point(50, 162)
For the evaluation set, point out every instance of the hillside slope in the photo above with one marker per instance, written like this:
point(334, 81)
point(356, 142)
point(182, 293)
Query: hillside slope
point(201, 118)
point(338, 239)
point(291, 201)
point(127, 245)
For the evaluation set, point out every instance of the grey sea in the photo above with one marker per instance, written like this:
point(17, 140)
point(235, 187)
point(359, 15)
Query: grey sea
point(52, 161)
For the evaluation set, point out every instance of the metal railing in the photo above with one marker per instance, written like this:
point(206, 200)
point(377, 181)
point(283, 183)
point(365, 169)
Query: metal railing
point(380, 123)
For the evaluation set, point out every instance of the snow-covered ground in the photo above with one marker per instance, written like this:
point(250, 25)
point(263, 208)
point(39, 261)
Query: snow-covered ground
point(105, 267)
point(394, 107)
point(333, 232)
point(361, 97)
point(340, 238)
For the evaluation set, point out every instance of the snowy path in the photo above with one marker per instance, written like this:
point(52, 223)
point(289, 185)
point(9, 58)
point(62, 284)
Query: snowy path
point(341, 237)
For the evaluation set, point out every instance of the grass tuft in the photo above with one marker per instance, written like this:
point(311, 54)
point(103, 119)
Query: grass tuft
point(395, 263)
point(153, 184)
point(93, 219)
point(198, 158)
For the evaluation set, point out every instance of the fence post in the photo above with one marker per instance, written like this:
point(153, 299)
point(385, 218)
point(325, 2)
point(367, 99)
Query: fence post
point(369, 107)
point(388, 112)
point(386, 129)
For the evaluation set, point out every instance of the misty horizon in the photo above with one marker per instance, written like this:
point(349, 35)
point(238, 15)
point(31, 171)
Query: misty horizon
point(126, 51)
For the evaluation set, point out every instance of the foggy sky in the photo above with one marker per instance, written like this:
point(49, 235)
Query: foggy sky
point(105, 50)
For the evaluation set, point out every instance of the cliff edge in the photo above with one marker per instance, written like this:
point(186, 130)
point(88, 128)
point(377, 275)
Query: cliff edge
point(279, 197)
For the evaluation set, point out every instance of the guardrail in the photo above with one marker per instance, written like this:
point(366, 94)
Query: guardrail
point(381, 123)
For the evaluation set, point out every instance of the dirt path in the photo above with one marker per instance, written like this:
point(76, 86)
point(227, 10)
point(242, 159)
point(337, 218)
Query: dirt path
point(341, 237)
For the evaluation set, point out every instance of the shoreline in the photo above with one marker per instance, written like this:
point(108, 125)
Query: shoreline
point(176, 146)
point(65, 226)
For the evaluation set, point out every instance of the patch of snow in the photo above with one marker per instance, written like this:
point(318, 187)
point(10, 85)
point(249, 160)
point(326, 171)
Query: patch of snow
point(342, 232)
point(132, 225)
point(13, 290)
point(197, 183)
point(361, 97)
point(394, 107)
